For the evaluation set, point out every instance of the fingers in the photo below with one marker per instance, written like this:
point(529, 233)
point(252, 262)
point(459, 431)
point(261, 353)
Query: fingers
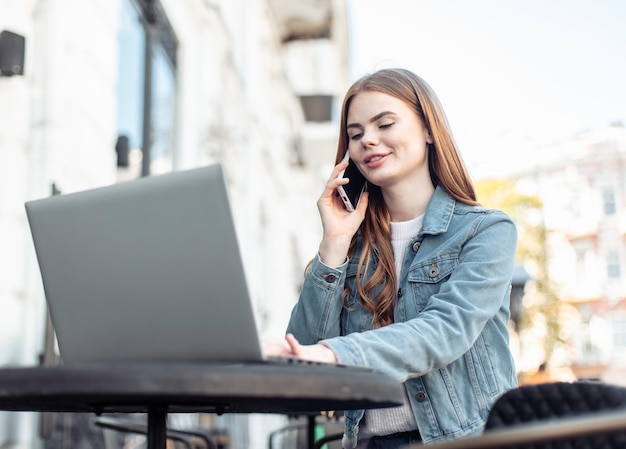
point(275, 347)
point(318, 352)
point(329, 200)
point(334, 181)
point(340, 166)
point(288, 346)
point(294, 344)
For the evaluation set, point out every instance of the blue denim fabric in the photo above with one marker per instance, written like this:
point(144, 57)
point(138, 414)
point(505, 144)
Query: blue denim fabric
point(449, 343)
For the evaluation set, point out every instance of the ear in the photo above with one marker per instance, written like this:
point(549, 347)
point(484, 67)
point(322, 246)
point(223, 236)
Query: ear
point(429, 137)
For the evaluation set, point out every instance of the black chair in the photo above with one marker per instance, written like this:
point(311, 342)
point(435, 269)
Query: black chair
point(300, 432)
point(556, 415)
point(189, 438)
point(556, 401)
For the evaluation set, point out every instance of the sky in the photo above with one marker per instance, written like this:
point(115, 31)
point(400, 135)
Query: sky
point(514, 76)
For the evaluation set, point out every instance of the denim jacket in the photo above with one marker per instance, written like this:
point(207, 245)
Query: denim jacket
point(449, 342)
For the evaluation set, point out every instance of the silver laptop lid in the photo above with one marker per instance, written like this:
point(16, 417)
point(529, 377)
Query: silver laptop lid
point(146, 270)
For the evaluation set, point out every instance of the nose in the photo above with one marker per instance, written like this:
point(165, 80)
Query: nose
point(370, 138)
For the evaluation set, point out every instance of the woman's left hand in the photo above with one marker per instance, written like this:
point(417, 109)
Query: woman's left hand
point(291, 346)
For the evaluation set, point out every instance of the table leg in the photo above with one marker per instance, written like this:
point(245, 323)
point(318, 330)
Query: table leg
point(310, 431)
point(157, 428)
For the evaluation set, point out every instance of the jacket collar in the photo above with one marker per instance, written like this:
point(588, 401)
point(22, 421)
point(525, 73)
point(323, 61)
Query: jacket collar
point(438, 212)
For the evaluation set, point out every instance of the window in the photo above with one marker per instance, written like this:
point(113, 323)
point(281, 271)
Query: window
point(618, 322)
point(608, 201)
point(581, 259)
point(317, 108)
point(613, 267)
point(146, 95)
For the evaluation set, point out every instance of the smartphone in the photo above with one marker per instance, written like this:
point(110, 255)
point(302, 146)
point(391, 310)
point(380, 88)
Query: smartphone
point(351, 192)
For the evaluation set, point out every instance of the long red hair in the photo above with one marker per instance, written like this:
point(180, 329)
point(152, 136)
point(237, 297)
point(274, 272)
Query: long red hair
point(446, 168)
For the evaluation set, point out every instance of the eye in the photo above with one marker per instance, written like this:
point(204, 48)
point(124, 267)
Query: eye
point(386, 125)
point(355, 136)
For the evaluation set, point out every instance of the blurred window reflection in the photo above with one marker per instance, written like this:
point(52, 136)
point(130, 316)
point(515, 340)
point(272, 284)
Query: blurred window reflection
point(608, 200)
point(146, 91)
point(614, 270)
point(618, 323)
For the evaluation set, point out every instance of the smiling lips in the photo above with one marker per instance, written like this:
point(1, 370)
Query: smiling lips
point(373, 158)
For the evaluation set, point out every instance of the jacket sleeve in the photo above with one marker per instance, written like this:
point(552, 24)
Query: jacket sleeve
point(475, 295)
point(316, 315)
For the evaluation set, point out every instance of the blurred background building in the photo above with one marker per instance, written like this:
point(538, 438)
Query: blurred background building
point(105, 91)
point(582, 187)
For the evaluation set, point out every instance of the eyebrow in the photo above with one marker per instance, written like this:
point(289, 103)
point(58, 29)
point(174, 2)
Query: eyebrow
point(372, 120)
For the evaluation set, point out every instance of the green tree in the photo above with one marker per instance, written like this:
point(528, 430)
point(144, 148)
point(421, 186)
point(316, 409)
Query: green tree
point(532, 251)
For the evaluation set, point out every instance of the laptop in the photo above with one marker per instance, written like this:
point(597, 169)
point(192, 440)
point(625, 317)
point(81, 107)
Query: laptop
point(147, 270)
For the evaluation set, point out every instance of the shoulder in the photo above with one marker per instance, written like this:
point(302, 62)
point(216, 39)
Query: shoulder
point(444, 213)
point(476, 218)
point(478, 210)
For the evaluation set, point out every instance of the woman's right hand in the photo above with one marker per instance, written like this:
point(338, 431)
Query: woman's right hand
point(339, 224)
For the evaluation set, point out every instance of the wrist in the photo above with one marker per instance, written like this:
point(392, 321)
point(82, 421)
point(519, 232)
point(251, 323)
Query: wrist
point(334, 251)
point(330, 355)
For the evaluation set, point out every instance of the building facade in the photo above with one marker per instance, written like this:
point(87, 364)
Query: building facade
point(582, 184)
point(112, 90)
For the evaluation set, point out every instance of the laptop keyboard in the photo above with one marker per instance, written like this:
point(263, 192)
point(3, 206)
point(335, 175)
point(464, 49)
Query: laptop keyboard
point(287, 359)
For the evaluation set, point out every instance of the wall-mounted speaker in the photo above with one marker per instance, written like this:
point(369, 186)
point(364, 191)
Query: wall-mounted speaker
point(122, 149)
point(12, 47)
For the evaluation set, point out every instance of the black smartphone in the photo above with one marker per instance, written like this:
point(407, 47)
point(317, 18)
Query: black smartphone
point(351, 192)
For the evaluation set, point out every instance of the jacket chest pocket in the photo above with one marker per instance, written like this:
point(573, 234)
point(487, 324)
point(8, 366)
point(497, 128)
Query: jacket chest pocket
point(426, 278)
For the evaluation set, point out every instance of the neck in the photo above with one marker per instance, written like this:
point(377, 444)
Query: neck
point(408, 201)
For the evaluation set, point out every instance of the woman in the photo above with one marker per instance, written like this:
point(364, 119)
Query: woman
point(416, 281)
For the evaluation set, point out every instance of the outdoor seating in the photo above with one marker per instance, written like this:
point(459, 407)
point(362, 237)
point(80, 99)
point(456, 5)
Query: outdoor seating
point(554, 400)
point(555, 415)
point(302, 430)
point(189, 438)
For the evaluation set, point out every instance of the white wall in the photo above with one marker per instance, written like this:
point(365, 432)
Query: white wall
point(235, 105)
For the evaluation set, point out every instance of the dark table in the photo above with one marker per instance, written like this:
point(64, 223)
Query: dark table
point(158, 389)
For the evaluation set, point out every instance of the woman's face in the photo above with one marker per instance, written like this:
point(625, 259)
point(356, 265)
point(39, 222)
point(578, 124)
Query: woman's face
point(387, 140)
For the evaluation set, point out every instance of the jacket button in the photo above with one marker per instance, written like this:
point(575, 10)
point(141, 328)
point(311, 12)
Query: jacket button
point(330, 278)
point(416, 246)
point(421, 396)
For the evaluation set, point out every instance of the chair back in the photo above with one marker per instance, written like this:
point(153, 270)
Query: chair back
point(542, 402)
